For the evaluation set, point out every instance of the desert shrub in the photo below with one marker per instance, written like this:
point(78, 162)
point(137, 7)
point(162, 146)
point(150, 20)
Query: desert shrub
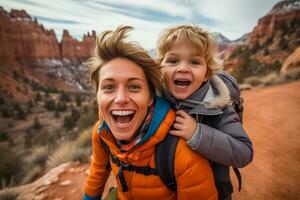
point(253, 81)
point(64, 153)
point(32, 173)
point(292, 74)
point(10, 164)
point(38, 97)
point(6, 112)
point(61, 106)
point(9, 194)
point(56, 114)
point(79, 149)
point(87, 119)
point(46, 137)
point(2, 100)
point(3, 136)
point(84, 139)
point(78, 100)
point(36, 124)
point(38, 155)
point(50, 105)
point(70, 120)
point(29, 104)
point(249, 66)
point(65, 97)
point(271, 79)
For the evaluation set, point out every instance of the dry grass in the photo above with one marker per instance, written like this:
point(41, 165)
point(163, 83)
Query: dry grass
point(272, 79)
point(79, 149)
point(39, 155)
point(32, 173)
point(8, 194)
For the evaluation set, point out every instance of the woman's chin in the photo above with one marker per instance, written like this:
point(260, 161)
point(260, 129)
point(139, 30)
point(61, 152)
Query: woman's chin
point(127, 136)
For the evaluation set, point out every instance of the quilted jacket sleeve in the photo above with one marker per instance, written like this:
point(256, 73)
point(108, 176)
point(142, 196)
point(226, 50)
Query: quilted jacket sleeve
point(227, 143)
point(98, 174)
point(193, 174)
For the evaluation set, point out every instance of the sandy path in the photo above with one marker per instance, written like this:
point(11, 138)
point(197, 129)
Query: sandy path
point(272, 120)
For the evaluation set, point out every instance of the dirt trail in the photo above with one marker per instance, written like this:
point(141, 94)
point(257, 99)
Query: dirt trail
point(272, 121)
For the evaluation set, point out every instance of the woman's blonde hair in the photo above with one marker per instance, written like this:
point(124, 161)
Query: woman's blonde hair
point(110, 45)
point(195, 35)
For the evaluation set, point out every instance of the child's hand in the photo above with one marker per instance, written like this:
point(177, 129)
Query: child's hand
point(185, 125)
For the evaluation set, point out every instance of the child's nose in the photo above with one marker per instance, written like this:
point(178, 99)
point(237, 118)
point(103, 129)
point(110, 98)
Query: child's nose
point(183, 67)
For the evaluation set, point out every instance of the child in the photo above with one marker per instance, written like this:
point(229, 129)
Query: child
point(204, 117)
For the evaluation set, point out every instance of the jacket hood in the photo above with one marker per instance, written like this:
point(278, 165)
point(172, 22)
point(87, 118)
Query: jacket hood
point(209, 99)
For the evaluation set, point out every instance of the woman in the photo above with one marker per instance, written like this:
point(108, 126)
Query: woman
point(132, 121)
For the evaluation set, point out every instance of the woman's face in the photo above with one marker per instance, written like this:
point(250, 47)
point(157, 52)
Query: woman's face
point(123, 97)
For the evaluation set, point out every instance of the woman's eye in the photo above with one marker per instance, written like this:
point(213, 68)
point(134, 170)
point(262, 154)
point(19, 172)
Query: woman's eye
point(108, 88)
point(134, 88)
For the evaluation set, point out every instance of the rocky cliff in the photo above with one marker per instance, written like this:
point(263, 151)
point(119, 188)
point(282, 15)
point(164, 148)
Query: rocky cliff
point(29, 49)
point(274, 38)
point(24, 39)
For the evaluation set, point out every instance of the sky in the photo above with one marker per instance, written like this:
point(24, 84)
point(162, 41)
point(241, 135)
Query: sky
point(232, 18)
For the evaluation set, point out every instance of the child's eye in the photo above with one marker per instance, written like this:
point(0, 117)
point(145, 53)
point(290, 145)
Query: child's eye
point(108, 88)
point(134, 88)
point(172, 61)
point(195, 62)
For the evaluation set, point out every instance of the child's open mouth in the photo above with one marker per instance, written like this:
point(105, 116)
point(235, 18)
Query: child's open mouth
point(182, 83)
point(122, 118)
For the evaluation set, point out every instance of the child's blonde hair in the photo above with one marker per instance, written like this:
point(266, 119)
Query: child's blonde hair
point(198, 37)
point(110, 45)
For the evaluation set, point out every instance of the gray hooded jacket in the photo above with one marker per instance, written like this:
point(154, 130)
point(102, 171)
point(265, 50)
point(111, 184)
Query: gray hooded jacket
point(220, 136)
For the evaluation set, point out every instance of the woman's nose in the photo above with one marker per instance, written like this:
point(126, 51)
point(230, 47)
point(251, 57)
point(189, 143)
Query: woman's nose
point(121, 97)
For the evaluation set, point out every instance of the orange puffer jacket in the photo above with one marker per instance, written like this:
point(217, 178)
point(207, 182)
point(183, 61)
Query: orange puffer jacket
point(193, 173)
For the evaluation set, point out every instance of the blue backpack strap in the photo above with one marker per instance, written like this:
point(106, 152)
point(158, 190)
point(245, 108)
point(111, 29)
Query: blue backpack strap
point(164, 160)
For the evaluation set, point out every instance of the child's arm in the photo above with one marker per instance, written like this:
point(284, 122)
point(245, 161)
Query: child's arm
point(98, 174)
point(227, 145)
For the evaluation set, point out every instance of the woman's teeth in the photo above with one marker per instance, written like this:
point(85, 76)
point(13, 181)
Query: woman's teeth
point(122, 117)
point(122, 112)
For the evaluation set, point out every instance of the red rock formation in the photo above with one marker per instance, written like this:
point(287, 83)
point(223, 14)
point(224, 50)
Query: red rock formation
point(277, 31)
point(23, 39)
point(291, 62)
point(276, 35)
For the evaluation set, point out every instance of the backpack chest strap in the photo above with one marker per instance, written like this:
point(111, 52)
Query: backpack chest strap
point(146, 170)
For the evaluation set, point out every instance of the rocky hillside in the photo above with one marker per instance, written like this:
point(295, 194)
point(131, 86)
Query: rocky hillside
point(30, 53)
point(272, 40)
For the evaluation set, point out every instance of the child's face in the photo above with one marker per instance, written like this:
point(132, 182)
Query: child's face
point(184, 70)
